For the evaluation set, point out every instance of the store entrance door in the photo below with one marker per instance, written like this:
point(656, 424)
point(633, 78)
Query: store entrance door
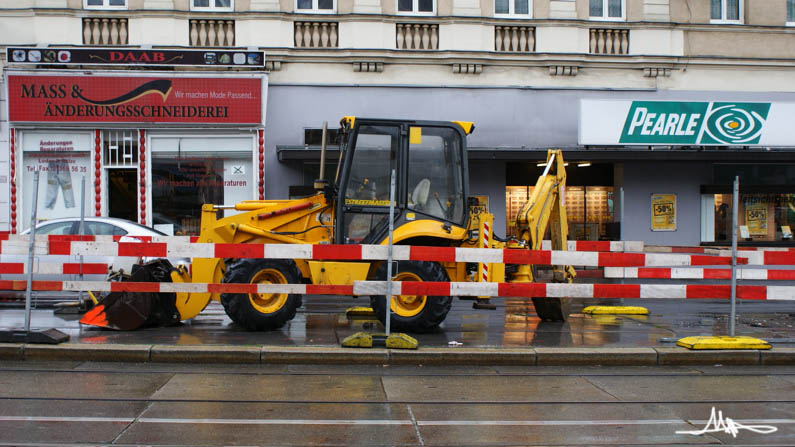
point(122, 200)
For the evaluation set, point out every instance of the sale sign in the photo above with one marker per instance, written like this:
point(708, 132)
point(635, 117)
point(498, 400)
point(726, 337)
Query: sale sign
point(135, 99)
point(663, 212)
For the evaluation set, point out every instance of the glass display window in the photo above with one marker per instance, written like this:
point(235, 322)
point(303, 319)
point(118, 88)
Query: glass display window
point(190, 172)
point(766, 217)
point(588, 209)
point(62, 159)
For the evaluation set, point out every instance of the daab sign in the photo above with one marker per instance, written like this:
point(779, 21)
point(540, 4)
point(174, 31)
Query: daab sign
point(699, 123)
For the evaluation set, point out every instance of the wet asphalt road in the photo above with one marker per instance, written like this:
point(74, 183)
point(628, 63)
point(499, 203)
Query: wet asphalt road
point(84, 403)
point(322, 322)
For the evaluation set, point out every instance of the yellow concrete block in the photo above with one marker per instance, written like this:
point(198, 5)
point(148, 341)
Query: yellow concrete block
point(615, 310)
point(358, 340)
point(401, 341)
point(722, 342)
point(359, 311)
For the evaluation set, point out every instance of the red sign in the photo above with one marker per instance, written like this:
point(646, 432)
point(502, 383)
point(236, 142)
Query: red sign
point(128, 99)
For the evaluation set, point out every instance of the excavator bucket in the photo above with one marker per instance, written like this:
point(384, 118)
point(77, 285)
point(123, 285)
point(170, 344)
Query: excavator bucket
point(126, 311)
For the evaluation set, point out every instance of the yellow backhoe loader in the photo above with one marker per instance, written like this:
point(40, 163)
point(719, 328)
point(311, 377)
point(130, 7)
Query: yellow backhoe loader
point(432, 208)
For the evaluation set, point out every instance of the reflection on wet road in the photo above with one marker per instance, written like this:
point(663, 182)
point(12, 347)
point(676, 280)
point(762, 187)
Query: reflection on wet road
point(322, 322)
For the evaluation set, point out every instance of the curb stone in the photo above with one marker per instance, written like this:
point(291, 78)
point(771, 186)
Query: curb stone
point(459, 356)
point(682, 356)
point(87, 352)
point(11, 351)
point(778, 356)
point(597, 356)
point(205, 354)
point(330, 355)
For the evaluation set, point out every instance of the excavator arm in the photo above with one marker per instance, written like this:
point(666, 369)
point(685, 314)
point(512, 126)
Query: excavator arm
point(546, 208)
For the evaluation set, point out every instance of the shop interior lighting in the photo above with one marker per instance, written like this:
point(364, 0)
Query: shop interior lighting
point(584, 164)
point(543, 164)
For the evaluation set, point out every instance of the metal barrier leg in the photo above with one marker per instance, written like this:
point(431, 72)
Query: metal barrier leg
point(25, 335)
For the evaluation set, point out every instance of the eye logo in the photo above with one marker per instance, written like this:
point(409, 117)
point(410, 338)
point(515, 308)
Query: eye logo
point(735, 123)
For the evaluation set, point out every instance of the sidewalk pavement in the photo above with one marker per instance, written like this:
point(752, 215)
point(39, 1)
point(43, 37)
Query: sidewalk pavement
point(510, 335)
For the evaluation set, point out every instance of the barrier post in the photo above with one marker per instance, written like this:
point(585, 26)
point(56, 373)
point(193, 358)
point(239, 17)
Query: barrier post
point(82, 228)
point(389, 252)
point(621, 214)
point(25, 335)
point(31, 246)
point(735, 226)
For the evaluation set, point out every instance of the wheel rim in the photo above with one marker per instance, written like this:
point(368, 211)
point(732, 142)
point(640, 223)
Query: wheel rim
point(268, 303)
point(407, 305)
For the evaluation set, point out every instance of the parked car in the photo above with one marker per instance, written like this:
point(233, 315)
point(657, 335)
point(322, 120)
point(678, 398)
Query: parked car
point(129, 232)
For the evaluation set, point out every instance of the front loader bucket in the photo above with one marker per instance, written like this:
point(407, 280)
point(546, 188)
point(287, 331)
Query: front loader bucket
point(126, 311)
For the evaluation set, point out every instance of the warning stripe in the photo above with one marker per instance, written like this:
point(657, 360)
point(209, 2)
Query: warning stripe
point(614, 246)
point(376, 252)
point(625, 246)
point(550, 290)
point(698, 273)
point(54, 269)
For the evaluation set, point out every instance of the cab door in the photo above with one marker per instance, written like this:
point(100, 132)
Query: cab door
point(363, 209)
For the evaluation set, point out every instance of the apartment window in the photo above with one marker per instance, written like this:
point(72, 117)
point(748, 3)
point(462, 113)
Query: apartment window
point(320, 6)
point(606, 9)
point(508, 8)
point(791, 12)
point(727, 11)
point(105, 4)
point(212, 5)
point(417, 7)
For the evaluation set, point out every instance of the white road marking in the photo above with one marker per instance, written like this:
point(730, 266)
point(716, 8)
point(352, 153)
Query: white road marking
point(374, 421)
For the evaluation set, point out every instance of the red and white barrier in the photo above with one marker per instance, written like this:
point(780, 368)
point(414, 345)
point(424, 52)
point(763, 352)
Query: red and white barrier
point(50, 268)
point(698, 273)
point(362, 253)
point(551, 290)
point(612, 246)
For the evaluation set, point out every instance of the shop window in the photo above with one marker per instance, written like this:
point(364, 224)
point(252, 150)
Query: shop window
point(726, 11)
point(416, 7)
point(63, 159)
point(513, 8)
point(606, 9)
point(589, 210)
point(320, 6)
point(767, 216)
point(190, 172)
point(105, 4)
point(212, 5)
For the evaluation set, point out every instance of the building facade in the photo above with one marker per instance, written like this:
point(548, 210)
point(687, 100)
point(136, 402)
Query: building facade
point(657, 104)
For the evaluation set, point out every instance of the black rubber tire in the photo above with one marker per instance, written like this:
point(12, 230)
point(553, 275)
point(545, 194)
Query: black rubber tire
point(435, 309)
point(238, 305)
point(552, 309)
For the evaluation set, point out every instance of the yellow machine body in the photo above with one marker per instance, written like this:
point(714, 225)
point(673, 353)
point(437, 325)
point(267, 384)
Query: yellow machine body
point(313, 220)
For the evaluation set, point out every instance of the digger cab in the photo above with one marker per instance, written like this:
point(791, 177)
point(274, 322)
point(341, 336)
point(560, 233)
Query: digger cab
point(431, 178)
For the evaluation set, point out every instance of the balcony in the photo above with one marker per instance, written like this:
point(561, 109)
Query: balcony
point(212, 33)
point(104, 31)
point(514, 39)
point(609, 41)
point(316, 34)
point(414, 36)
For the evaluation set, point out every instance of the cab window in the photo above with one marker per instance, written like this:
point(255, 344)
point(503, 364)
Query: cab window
point(435, 173)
